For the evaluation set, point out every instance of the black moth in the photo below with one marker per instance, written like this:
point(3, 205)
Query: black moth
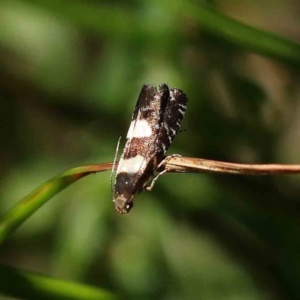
point(155, 122)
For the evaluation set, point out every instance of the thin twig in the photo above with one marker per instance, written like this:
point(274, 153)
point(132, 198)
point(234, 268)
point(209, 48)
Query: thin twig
point(198, 165)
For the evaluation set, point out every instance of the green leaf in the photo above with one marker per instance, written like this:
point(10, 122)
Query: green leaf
point(244, 35)
point(30, 285)
point(13, 218)
point(125, 22)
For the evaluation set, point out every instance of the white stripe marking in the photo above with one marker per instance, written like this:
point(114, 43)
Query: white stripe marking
point(132, 165)
point(182, 106)
point(181, 111)
point(173, 131)
point(139, 129)
point(129, 133)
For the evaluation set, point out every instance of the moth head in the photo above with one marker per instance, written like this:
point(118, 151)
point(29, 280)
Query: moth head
point(122, 204)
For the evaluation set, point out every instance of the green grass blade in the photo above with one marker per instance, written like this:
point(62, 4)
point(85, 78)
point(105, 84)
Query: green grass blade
point(29, 285)
point(14, 217)
point(126, 22)
point(244, 35)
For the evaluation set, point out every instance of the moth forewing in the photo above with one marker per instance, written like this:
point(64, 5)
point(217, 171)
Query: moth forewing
point(155, 122)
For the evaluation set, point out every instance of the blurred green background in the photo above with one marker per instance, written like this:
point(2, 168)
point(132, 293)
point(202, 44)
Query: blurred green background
point(71, 72)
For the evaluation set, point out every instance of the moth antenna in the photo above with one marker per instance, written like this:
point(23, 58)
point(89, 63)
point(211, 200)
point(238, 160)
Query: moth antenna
point(113, 168)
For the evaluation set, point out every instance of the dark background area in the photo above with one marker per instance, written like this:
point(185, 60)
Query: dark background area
point(70, 74)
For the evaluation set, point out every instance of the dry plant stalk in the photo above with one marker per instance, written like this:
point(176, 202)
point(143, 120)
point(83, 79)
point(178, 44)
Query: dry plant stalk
point(179, 164)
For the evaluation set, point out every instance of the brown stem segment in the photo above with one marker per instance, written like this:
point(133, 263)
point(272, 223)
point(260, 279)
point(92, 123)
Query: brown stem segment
point(198, 165)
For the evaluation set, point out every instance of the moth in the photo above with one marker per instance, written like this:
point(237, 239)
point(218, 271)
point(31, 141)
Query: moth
point(155, 122)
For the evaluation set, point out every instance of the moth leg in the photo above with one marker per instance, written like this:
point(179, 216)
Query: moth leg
point(149, 188)
point(168, 158)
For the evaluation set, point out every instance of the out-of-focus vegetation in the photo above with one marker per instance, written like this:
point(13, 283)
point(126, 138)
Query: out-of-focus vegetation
point(70, 74)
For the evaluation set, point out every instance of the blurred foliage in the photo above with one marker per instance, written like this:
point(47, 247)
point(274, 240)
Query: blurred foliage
point(70, 74)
